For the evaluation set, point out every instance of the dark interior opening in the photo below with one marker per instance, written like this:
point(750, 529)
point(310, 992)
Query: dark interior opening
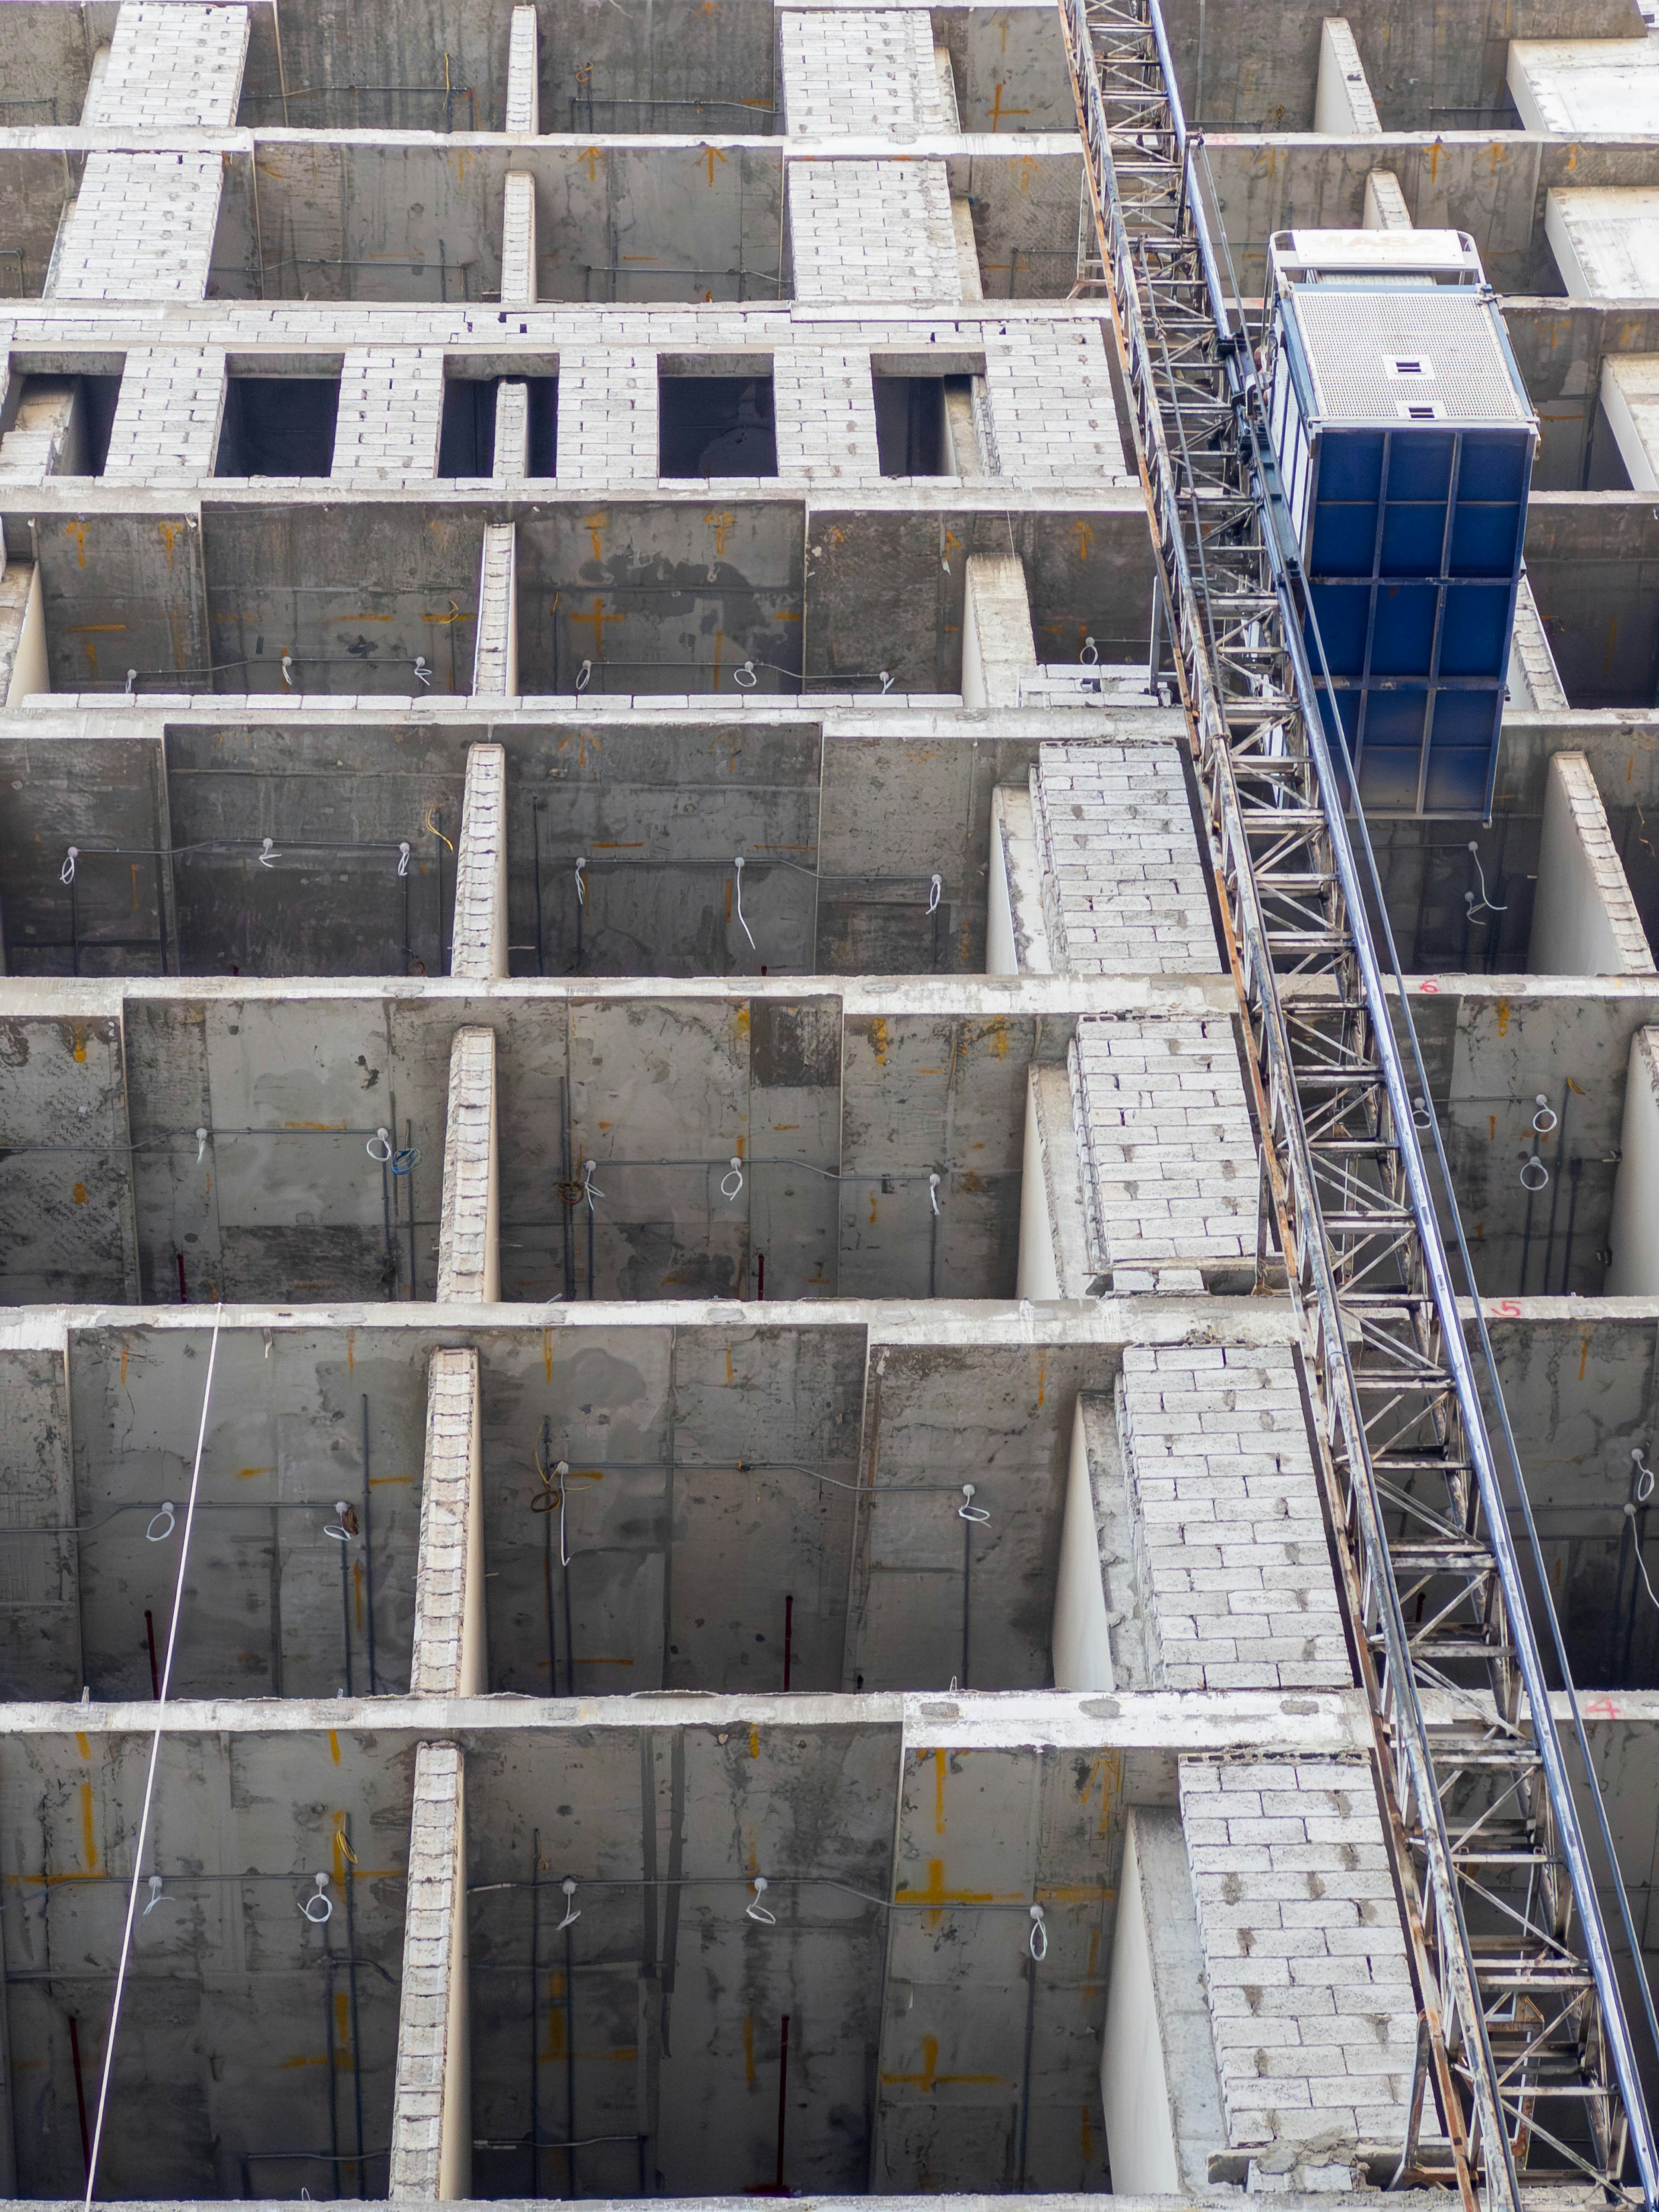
point(278, 426)
point(542, 454)
point(466, 441)
point(85, 405)
point(717, 426)
point(910, 438)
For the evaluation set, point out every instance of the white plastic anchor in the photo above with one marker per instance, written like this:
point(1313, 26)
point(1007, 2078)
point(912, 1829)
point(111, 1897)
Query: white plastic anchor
point(269, 855)
point(757, 1910)
point(590, 1189)
point(1545, 1120)
point(338, 1529)
point(318, 1919)
point(744, 677)
point(935, 892)
point(568, 1885)
point(1534, 1175)
point(932, 1192)
point(383, 1139)
point(581, 881)
point(201, 1146)
point(1039, 1937)
point(404, 858)
point(742, 923)
point(969, 1511)
point(732, 1182)
point(66, 873)
point(167, 1508)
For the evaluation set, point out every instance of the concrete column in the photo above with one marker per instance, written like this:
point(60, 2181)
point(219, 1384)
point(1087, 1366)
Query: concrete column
point(1533, 679)
point(1385, 204)
point(511, 432)
point(1122, 875)
point(1081, 1641)
point(468, 1242)
point(998, 646)
point(1053, 1254)
point(1585, 920)
point(1343, 106)
point(448, 1653)
point(24, 670)
point(432, 2101)
point(1633, 1228)
point(1016, 935)
point(1629, 400)
point(478, 938)
point(523, 90)
point(1159, 2083)
point(495, 653)
point(519, 238)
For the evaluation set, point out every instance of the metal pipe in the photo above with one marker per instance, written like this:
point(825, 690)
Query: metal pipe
point(368, 1563)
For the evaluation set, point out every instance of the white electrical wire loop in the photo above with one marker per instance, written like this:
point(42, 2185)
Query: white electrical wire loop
point(935, 892)
point(932, 1192)
point(201, 1146)
point(1534, 1175)
point(318, 1919)
point(590, 1189)
point(1039, 1937)
point(404, 858)
point(1545, 1120)
point(151, 1536)
point(338, 1529)
point(886, 681)
point(269, 855)
point(66, 873)
point(1089, 655)
point(571, 1914)
point(584, 676)
point(1422, 1118)
point(969, 1511)
point(132, 684)
point(742, 924)
point(732, 1182)
point(164, 1685)
point(744, 677)
point(757, 1910)
point(383, 1139)
point(423, 673)
point(581, 881)
point(157, 1896)
point(288, 671)
point(1483, 904)
point(1644, 1477)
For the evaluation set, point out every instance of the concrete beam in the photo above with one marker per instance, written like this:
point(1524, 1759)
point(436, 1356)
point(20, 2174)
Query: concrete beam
point(1585, 920)
point(1629, 400)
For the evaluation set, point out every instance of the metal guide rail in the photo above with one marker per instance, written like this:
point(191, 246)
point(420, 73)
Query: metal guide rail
point(1522, 2038)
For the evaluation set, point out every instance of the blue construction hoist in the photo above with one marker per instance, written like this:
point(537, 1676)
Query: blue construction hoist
point(1405, 440)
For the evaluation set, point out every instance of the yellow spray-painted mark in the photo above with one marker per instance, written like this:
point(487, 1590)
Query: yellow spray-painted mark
point(743, 1024)
point(342, 2056)
point(351, 1352)
point(1085, 534)
point(711, 155)
point(547, 1353)
point(79, 1194)
point(938, 1792)
point(88, 1830)
point(77, 531)
point(721, 525)
point(1043, 1378)
point(334, 1747)
point(594, 525)
point(169, 533)
point(1503, 1017)
point(84, 1744)
point(878, 1041)
point(79, 1047)
point(124, 1365)
point(930, 2074)
point(729, 1376)
point(754, 1743)
point(1492, 1128)
point(591, 156)
point(1584, 1356)
point(247, 1473)
point(937, 1896)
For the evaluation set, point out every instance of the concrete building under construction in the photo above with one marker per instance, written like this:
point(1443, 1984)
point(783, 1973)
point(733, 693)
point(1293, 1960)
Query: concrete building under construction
point(670, 935)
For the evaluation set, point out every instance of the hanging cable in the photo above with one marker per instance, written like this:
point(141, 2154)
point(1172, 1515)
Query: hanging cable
point(582, 884)
point(967, 1510)
point(151, 1536)
point(756, 1910)
point(1039, 1937)
point(743, 925)
point(383, 1139)
point(590, 1189)
point(732, 1181)
point(1483, 904)
point(932, 1192)
point(143, 1840)
point(935, 892)
point(571, 1914)
point(318, 1919)
point(1546, 1120)
point(66, 873)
